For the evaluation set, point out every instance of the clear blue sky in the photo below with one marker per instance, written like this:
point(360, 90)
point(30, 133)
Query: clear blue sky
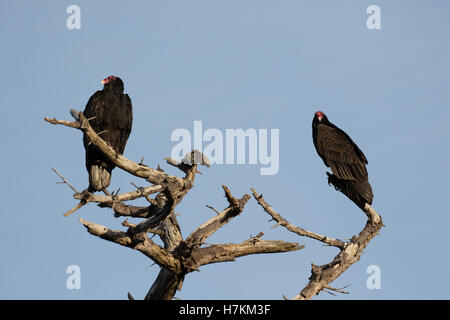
point(231, 64)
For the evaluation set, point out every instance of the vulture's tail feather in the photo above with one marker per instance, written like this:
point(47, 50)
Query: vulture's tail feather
point(99, 177)
point(360, 192)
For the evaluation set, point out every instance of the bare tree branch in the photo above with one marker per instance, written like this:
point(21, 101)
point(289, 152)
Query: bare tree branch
point(339, 290)
point(64, 180)
point(350, 251)
point(132, 195)
point(78, 206)
point(212, 225)
point(151, 175)
point(300, 231)
point(134, 241)
point(213, 209)
point(231, 251)
point(82, 197)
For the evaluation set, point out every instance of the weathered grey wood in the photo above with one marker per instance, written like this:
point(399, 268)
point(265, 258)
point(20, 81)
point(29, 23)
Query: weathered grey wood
point(179, 257)
point(350, 251)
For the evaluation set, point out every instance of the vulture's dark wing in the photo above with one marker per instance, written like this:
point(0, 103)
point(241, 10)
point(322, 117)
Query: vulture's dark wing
point(94, 109)
point(95, 112)
point(340, 153)
point(125, 122)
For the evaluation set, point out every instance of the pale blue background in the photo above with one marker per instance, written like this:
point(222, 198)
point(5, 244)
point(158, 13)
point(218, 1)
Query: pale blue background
point(231, 64)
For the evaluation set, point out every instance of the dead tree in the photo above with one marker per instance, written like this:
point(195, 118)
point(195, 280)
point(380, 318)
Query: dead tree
point(179, 256)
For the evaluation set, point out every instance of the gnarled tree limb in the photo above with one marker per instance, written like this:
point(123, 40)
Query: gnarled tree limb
point(139, 170)
point(231, 251)
point(350, 251)
point(178, 257)
point(300, 231)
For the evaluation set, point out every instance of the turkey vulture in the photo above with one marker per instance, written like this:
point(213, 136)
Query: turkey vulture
point(346, 160)
point(110, 114)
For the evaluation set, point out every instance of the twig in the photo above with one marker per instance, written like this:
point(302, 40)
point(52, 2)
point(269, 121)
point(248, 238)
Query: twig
point(65, 181)
point(339, 290)
point(82, 196)
point(128, 224)
point(102, 132)
point(74, 124)
point(214, 209)
point(141, 191)
point(78, 206)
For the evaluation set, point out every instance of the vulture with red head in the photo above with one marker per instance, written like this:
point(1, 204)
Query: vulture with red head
point(111, 116)
point(344, 158)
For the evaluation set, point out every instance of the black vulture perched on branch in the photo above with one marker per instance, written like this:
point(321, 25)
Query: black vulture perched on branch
point(346, 160)
point(110, 114)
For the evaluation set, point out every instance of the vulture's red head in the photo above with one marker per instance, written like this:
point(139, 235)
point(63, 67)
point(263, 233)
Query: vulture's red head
point(319, 115)
point(108, 80)
point(113, 84)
